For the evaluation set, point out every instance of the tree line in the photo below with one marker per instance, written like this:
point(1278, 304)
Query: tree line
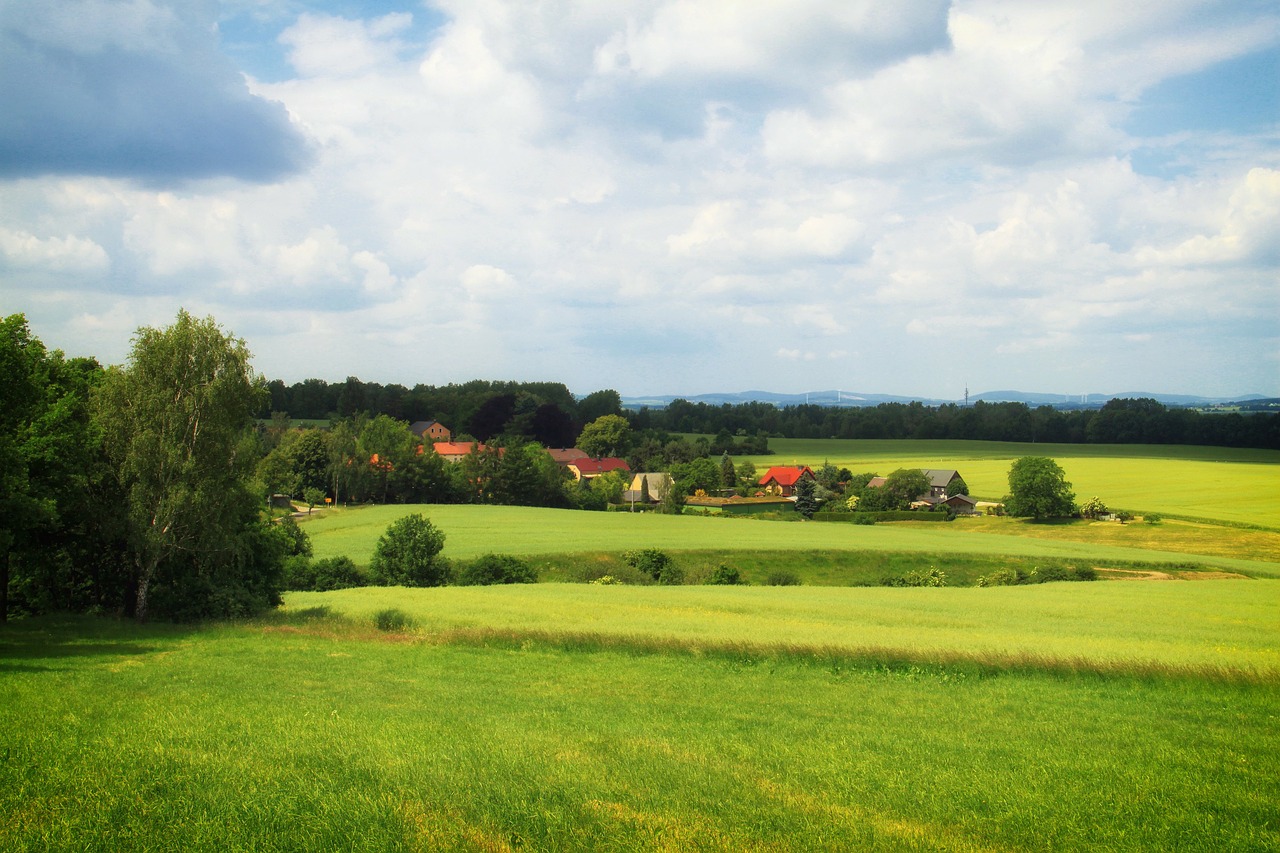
point(1119, 421)
point(550, 414)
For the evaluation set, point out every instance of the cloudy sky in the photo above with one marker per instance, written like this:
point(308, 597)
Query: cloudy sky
point(657, 196)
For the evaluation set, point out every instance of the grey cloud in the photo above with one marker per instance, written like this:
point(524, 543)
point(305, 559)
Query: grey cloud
point(151, 99)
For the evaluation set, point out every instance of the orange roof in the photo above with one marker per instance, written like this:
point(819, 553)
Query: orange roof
point(457, 448)
point(786, 475)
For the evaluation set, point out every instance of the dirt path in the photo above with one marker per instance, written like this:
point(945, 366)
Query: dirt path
point(1152, 575)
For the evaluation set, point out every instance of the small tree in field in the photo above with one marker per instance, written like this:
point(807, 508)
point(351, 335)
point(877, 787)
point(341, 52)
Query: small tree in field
point(408, 554)
point(1038, 489)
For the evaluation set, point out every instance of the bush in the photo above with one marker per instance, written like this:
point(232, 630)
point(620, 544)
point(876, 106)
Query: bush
point(297, 573)
point(605, 580)
point(929, 577)
point(336, 573)
point(496, 569)
point(725, 576)
point(392, 619)
point(1040, 574)
point(782, 578)
point(408, 554)
point(1152, 518)
point(656, 564)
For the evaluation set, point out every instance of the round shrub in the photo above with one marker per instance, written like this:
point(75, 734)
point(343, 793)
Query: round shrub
point(408, 554)
point(725, 576)
point(656, 564)
point(495, 569)
point(782, 578)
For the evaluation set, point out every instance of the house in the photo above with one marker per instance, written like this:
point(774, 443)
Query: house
point(431, 431)
point(456, 451)
point(961, 505)
point(565, 455)
point(782, 479)
point(588, 468)
point(939, 480)
point(658, 485)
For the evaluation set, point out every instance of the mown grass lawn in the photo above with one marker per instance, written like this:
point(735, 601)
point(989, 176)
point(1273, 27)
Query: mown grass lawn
point(312, 730)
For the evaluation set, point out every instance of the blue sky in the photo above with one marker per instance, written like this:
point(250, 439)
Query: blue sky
point(658, 197)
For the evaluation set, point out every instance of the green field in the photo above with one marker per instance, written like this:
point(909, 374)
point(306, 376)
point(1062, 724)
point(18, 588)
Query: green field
point(1216, 483)
point(1116, 715)
point(475, 530)
point(566, 717)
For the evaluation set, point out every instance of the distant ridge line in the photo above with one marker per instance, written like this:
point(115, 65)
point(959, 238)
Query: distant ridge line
point(852, 399)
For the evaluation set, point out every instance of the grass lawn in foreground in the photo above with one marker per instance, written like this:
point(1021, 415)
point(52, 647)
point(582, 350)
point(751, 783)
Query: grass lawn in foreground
point(308, 731)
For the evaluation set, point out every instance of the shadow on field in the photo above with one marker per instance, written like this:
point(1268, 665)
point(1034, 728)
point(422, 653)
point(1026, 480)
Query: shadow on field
point(60, 638)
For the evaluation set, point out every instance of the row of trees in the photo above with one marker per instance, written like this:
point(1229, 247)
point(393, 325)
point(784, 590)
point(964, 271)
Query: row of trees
point(545, 412)
point(129, 489)
point(550, 414)
point(1119, 421)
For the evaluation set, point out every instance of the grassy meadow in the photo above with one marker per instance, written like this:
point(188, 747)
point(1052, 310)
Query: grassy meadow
point(574, 717)
point(1134, 715)
point(532, 531)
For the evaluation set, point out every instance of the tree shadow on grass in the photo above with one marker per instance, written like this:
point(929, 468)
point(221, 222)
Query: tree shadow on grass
point(51, 638)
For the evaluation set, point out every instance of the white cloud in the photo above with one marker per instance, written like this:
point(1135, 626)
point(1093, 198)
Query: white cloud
point(606, 193)
point(69, 254)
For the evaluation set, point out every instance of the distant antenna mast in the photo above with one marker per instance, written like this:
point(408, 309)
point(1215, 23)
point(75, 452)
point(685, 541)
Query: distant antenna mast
point(966, 395)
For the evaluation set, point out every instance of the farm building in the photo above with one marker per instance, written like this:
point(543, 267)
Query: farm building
point(782, 479)
point(431, 431)
point(588, 468)
point(565, 455)
point(456, 451)
point(741, 506)
point(657, 485)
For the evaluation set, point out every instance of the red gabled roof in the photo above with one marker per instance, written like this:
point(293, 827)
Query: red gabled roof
point(787, 475)
point(589, 467)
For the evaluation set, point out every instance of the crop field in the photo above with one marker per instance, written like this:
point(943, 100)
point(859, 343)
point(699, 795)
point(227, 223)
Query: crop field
point(1213, 483)
point(1121, 716)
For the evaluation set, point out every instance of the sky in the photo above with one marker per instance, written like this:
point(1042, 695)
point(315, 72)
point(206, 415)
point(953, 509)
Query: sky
point(657, 196)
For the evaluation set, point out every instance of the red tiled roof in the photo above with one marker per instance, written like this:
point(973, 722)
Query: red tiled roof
point(786, 475)
point(589, 467)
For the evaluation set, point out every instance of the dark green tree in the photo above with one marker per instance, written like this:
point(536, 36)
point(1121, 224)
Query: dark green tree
point(806, 504)
point(408, 554)
point(728, 473)
point(1038, 489)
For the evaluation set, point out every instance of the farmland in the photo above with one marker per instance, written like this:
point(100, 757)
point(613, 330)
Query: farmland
point(1137, 715)
point(1209, 483)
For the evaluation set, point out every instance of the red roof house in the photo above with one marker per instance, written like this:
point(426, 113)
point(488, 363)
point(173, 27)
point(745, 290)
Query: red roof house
point(586, 469)
point(782, 479)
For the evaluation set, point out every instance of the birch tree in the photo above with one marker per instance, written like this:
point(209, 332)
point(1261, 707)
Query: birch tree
point(177, 427)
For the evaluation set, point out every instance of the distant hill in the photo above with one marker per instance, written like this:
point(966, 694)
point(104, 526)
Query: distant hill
point(848, 399)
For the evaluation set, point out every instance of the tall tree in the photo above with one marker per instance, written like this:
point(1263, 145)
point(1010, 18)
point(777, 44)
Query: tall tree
point(177, 426)
point(607, 435)
point(20, 356)
point(1038, 488)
